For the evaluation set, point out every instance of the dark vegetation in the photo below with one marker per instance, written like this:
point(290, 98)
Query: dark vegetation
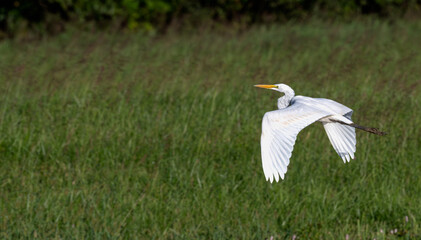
point(52, 16)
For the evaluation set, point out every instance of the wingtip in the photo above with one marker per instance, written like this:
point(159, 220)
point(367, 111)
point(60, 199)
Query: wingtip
point(279, 176)
point(347, 157)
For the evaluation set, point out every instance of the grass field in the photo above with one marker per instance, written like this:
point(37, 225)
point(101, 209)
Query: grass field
point(126, 136)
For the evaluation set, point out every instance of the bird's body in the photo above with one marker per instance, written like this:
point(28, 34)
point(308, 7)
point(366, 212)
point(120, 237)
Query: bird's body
point(281, 127)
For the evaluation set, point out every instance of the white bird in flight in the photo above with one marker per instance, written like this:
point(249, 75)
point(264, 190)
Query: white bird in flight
point(281, 127)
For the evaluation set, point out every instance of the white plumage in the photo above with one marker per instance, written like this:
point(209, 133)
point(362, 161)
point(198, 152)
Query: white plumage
point(281, 127)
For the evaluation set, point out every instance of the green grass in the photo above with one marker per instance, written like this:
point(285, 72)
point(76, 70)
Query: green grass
point(134, 137)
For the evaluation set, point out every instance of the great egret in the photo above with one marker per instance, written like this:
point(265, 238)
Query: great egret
point(281, 127)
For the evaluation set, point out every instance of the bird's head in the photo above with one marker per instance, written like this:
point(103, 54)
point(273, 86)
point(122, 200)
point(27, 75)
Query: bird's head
point(280, 87)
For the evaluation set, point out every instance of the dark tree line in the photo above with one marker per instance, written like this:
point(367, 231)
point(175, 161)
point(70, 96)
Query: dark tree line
point(52, 15)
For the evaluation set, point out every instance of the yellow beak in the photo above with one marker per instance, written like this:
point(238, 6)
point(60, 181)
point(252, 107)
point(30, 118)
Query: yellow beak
point(265, 86)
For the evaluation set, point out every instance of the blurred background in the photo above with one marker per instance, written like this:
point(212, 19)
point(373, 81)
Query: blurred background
point(138, 119)
point(53, 16)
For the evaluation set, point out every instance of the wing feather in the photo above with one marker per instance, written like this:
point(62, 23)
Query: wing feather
point(342, 138)
point(279, 132)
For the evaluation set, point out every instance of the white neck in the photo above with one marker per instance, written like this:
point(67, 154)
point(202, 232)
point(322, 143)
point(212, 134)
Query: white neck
point(285, 100)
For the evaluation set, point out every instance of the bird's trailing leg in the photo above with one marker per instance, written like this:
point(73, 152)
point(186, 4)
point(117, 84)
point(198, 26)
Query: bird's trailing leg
point(367, 129)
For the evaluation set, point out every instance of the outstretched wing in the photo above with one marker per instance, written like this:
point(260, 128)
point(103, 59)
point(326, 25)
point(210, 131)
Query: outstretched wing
point(342, 138)
point(279, 132)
